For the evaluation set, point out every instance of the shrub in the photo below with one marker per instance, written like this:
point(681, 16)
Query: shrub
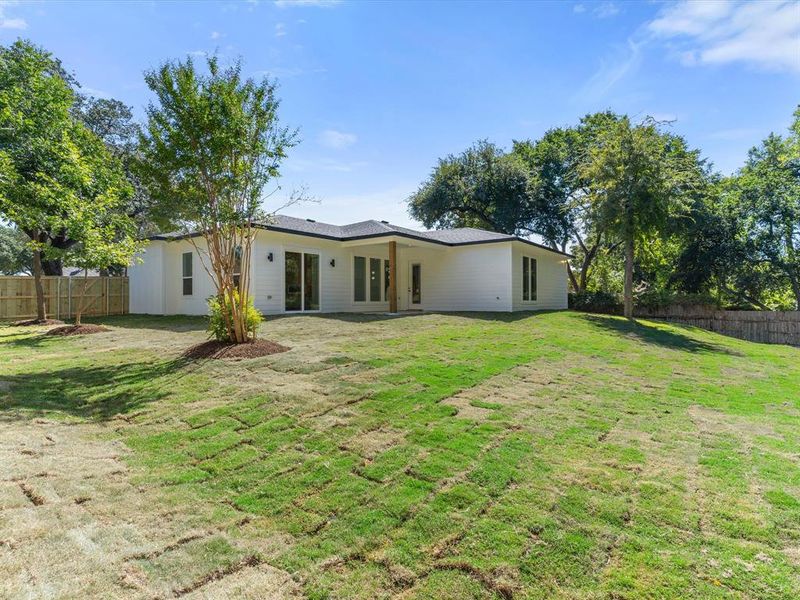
point(655, 299)
point(599, 302)
point(216, 319)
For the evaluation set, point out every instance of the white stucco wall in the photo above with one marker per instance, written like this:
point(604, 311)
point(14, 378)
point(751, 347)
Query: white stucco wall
point(480, 277)
point(551, 280)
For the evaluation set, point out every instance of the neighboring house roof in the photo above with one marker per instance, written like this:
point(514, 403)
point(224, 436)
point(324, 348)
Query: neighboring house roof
point(461, 236)
point(77, 272)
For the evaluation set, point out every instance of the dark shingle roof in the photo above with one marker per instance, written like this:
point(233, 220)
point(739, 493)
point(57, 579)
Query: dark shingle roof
point(367, 229)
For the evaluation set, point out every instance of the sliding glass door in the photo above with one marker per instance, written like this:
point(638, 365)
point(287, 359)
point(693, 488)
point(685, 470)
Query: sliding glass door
point(301, 281)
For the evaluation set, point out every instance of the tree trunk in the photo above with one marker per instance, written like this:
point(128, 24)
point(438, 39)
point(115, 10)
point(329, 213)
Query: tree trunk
point(629, 276)
point(796, 290)
point(41, 312)
point(81, 298)
point(52, 267)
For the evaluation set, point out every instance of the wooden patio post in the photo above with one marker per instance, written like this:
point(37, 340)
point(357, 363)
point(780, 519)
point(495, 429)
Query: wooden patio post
point(393, 277)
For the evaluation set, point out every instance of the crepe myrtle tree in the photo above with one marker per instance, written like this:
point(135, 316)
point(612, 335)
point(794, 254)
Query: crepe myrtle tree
point(211, 144)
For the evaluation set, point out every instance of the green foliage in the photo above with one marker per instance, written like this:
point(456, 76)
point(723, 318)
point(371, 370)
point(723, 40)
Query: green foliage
point(595, 302)
point(212, 144)
point(113, 122)
point(220, 313)
point(481, 187)
point(15, 254)
point(60, 177)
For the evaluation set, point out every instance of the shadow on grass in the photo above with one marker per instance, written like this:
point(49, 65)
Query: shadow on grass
point(653, 335)
point(371, 317)
point(94, 392)
point(174, 323)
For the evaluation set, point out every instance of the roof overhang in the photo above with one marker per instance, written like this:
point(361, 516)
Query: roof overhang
point(403, 239)
point(400, 239)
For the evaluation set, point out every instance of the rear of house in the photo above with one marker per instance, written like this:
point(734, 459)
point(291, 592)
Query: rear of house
point(300, 265)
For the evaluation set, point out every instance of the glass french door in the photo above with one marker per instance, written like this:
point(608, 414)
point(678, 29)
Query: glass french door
point(301, 281)
point(416, 284)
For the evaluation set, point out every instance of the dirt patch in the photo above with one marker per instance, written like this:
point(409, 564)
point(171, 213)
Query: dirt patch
point(77, 330)
point(371, 443)
point(37, 322)
point(215, 349)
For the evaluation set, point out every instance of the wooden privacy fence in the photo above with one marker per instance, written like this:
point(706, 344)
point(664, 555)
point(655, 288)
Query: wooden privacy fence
point(104, 296)
point(771, 327)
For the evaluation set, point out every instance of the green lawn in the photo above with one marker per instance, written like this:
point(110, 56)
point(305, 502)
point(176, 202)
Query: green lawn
point(557, 455)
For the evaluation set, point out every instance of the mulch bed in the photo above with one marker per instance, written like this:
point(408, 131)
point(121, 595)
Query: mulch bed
point(31, 322)
point(215, 349)
point(77, 330)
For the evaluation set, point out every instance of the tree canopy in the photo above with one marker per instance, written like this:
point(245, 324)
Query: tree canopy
point(59, 180)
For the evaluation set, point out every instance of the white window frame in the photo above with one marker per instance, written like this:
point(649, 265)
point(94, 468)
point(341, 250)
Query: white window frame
point(384, 292)
point(533, 278)
point(183, 275)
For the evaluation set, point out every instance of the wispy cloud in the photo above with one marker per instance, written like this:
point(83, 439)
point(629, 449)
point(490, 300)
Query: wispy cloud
point(601, 10)
point(215, 35)
point(338, 140)
point(605, 10)
point(319, 3)
point(624, 60)
point(8, 22)
point(707, 32)
point(280, 29)
point(761, 34)
point(90, 91)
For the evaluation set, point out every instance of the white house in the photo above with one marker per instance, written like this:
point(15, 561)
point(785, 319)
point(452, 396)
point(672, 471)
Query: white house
point(300, 265)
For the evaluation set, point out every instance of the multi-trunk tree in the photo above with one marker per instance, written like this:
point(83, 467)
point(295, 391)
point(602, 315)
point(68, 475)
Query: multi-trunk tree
point(211, 146)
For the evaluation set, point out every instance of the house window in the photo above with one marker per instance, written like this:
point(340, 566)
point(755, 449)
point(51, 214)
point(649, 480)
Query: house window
point(528, 279)
point(187, 273)
point(237, 266)
point(386, 277)
point(370, 279)
point(374, 279)
point(359, 278)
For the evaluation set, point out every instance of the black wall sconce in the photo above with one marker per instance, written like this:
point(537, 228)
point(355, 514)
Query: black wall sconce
point(333, 262)
point(269, 257)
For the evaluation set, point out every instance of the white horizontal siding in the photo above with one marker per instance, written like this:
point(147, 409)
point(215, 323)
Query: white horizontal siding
point(146, 277)
point(462, 278)
point(479, 277)
point(551, 281)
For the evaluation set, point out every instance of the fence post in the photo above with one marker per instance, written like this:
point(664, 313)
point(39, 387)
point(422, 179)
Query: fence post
point(58, 298)
point(107, 281)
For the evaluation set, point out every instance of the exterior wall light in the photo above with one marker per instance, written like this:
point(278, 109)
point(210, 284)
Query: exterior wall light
point(333, 262)
point(269, 257)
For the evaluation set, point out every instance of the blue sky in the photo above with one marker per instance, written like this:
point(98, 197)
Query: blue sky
point(379, 91)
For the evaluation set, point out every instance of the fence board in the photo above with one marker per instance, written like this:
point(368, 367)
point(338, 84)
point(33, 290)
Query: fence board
point(769, 327)
point(104, 296)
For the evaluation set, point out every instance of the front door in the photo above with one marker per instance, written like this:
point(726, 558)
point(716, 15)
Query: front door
point(415, 289)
